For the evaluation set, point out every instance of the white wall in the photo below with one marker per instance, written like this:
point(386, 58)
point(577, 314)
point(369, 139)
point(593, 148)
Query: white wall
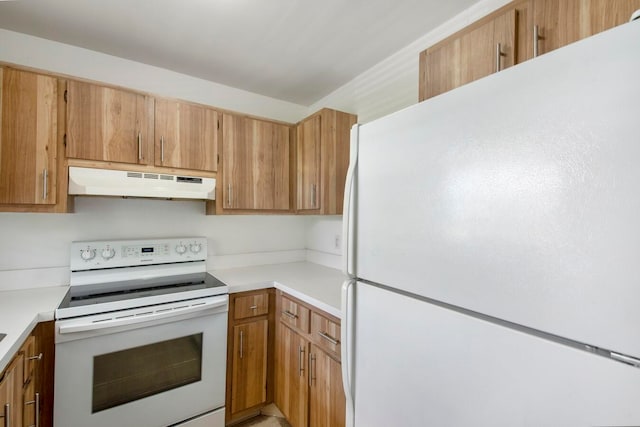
point(321, 235)
point(392, 84)
point(34, 248)
point(35, 52)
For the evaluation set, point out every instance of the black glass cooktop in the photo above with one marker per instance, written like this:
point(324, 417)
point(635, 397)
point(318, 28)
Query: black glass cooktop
point(129, 290)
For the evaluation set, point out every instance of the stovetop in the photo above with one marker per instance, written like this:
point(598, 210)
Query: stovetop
point(110, 276)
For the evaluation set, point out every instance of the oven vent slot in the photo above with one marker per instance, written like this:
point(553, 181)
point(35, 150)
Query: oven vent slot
point(134, 175)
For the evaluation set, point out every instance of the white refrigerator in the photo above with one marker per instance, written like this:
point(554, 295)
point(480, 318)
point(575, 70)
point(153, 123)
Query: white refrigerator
point(492, 237)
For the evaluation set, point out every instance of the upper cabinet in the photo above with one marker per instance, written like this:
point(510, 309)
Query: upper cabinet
point(322, 159)
point(186, 136)
point(515, 33)
point(109, 125)
point(255, 165)
point(28, 138)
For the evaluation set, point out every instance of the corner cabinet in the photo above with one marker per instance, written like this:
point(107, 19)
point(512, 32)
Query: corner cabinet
point(108, 125)
point(250, 353)
point(309, 388)
point(517, 32)
point(29, 142)
point(256, 166)
point(322, 160)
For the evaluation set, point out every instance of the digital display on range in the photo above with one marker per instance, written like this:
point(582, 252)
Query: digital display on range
point(147, 250)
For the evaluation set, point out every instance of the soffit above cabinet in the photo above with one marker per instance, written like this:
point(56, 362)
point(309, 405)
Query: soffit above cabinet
point(292, 50)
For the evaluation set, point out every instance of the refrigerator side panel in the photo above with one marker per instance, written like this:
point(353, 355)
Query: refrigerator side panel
point(517, 195)
point(418, 365)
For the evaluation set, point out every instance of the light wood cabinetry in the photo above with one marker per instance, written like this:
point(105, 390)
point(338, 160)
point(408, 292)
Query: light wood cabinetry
point(186, 136)
point(322, 160)
point(309, 388)
point(26, 385)
point(28, 138)
point(249, 353)
point(109, 125)
point(524, 29)
point(255, 165)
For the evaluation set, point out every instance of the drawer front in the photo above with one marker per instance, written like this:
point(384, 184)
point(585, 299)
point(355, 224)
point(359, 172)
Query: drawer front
point(294, 315)
point(325, 333)
point(251, 306)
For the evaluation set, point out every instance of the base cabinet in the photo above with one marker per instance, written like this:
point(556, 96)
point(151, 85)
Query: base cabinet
point(249, 353)
point(309, 389)
point(26, 385)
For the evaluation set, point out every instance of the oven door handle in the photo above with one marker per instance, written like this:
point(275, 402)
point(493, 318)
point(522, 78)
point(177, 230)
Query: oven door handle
point(216, 305)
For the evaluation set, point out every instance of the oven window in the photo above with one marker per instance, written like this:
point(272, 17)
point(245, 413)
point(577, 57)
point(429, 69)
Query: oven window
point(135, 373)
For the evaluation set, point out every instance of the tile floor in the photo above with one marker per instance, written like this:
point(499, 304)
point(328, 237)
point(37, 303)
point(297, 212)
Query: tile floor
point(270, 416)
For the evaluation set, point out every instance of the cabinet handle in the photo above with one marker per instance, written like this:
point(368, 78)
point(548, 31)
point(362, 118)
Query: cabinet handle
point(36, 403)
point(139, 146)
point(162, 149)
point(241, 344)
point(499, 56)
point(300, 363)
point(312, 364)
point(253, 307)
point(45, 178)
point(329, 338)
point(536, 37)
point(7, 415)
point(289, 314)
point(313, 195)
point(229, 195)
point(38, 357)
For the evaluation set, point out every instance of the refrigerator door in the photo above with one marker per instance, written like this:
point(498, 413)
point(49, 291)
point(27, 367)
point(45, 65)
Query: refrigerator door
point(517, 195)
point(417, 364)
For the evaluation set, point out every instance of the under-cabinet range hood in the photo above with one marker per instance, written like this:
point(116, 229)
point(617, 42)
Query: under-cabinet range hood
point(106, 182)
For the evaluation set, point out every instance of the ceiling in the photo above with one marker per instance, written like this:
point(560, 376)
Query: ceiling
point(293, 50)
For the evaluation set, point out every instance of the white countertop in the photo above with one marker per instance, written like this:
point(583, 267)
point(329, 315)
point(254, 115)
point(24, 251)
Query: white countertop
point(20, 311)
point(312, 283)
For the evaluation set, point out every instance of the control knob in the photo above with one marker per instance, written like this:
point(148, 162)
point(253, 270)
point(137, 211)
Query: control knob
point(181, 249)
point(88, 254)
point(108, 253)
point(196, 247)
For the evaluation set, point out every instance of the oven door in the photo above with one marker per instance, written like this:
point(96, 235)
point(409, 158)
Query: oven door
point(151, 366)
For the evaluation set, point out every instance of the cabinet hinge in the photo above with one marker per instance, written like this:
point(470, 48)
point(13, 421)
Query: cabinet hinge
point(65, 95)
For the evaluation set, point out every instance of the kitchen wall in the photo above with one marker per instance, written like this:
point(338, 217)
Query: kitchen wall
point(35, 52)
point(34, 248)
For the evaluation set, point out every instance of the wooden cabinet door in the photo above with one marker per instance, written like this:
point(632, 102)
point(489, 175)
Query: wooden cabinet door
point(255, 164)
point(483, 49)
point(249, 365)
point(308, 164)
point(327, 403)
point(28, 137)
point(562, 22)
point(108, 124)
point(11, 393)
point(292, 389)
point(186, 136)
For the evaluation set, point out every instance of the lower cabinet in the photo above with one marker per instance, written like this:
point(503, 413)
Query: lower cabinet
point(309, 388)
point(249, 353)
point(26, 385)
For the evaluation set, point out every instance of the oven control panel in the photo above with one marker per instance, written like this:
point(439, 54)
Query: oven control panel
point(93, 255)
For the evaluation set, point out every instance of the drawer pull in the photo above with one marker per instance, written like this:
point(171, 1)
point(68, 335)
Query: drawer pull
point(329, 338)
point(290, 314)
point(38, 357)
point(300, 358)
point(253, 307)
point(7, 415)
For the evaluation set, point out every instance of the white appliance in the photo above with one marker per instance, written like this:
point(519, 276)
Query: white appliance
point(141, 336)
point(107, 182)
point(492, 236)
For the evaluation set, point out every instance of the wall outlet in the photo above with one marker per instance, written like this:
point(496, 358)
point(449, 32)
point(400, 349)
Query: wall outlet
point(337, 242)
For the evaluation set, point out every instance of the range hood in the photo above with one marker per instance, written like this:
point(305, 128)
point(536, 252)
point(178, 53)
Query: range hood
point(107, 182)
